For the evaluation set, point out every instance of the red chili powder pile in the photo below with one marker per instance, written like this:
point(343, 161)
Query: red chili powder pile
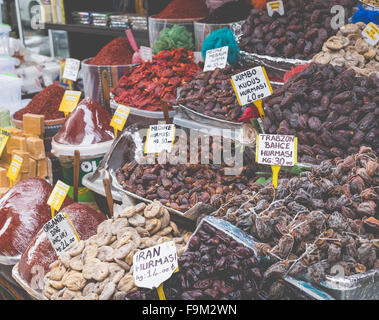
point(184, 9)
point(116, 52)
point(45, 103)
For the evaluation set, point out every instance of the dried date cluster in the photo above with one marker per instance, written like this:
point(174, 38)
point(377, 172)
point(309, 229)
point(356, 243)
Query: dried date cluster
point(214, 266)
point(331, 110)
point(299, 34)
point(211, 93)
point(181, 186)
point(322, 221)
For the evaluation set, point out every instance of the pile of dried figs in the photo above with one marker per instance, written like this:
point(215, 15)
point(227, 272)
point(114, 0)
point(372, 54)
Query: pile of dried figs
point(317, 223)
point(299, 34)
point(211, 93)
point(349, 49)
point(101, 267)
point(331, 110)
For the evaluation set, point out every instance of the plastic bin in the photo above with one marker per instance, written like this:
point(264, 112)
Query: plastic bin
point(202, 30)
point(93, 79)
point(7, 64)
point(4, 39)
point(10, 93)
point(156, 25)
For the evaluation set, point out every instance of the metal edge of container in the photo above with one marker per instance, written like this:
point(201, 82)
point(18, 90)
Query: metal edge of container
point(33, 293)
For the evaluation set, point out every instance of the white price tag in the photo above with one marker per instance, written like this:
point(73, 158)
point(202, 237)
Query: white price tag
point(251, 85)
point(160, 137)
point(71, 69)
point(371, 34)
point(155, 265)
point(275, 6)
point(216, 58)
point(61, 232)
point(276, 150)
point(146, 53)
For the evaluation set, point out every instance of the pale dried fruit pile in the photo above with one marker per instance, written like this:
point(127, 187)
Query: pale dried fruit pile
point(318, 222)
point(100, 268)
point(349, 49)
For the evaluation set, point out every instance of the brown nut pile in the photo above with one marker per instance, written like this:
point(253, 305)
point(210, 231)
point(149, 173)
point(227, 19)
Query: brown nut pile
point(299, 34)
point(349, 49)
point(211, 93)
point(316, 223)
point(331, 110)
point(100, 268)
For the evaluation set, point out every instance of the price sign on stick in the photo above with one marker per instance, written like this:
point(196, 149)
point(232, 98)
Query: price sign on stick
point(154, 265)
point(57, 196)
point(14, 168)
point(69, 101)
point(276, 151)
point(251, 86)
point(71, 69)
point(216, 58)
point(160, 137)
point(371, 34)
point(4, 136)
point(61, 232)
point(146, 53)
point(275, 6)
point(119, 118)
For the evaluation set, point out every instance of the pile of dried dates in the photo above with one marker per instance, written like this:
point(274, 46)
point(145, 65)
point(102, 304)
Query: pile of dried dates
point(101, 267)
point(319, 223)
point(147, 85)
point(299, 34)
point(214, 267)
point(331, 110)
point(211, 93)
point(181, 186)
point(349, 49)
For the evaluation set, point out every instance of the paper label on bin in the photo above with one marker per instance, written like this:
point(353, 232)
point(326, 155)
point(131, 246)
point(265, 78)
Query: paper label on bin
point(69, 101)
point(216, 58)
point(4, 136)
point(15, 167)
point(154, 265)
point(71, 69)
point(371, 34)
point(276, 150)
point(120, 117)
point(61, 232)
point(146, 53)
point(160, 137)
point(275, 6)
point(251, 85)
point(58, 195)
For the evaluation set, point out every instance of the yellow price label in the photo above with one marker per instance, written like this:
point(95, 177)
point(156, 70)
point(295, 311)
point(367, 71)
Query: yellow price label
point(57, 196)
point(14, 168)
point(371, 33)
point(4, 136)
point(69, 101)
point(119, 118)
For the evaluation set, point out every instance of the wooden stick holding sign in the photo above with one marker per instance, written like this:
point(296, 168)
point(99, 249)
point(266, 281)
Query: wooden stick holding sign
point(108, 193)
point(165, 112)
point(276, 150)
point(76, 174)
point(251, 86)
point(106, 89)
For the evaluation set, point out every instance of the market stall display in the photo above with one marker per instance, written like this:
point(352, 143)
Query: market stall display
point(100, 268)
point(349, 49)
point(39, 255)
point(332, 111)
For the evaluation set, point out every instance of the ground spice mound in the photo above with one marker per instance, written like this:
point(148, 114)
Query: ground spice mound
point(116, 52)
point(179, 9)
point(45, 103)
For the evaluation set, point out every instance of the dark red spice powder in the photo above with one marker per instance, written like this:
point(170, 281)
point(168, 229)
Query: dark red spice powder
point(89, 123)
point(182, 9)
point(117, 52)
point(45, 103)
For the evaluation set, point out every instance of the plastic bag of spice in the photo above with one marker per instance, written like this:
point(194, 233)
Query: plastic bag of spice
point(36, 260)
point(23, 212)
